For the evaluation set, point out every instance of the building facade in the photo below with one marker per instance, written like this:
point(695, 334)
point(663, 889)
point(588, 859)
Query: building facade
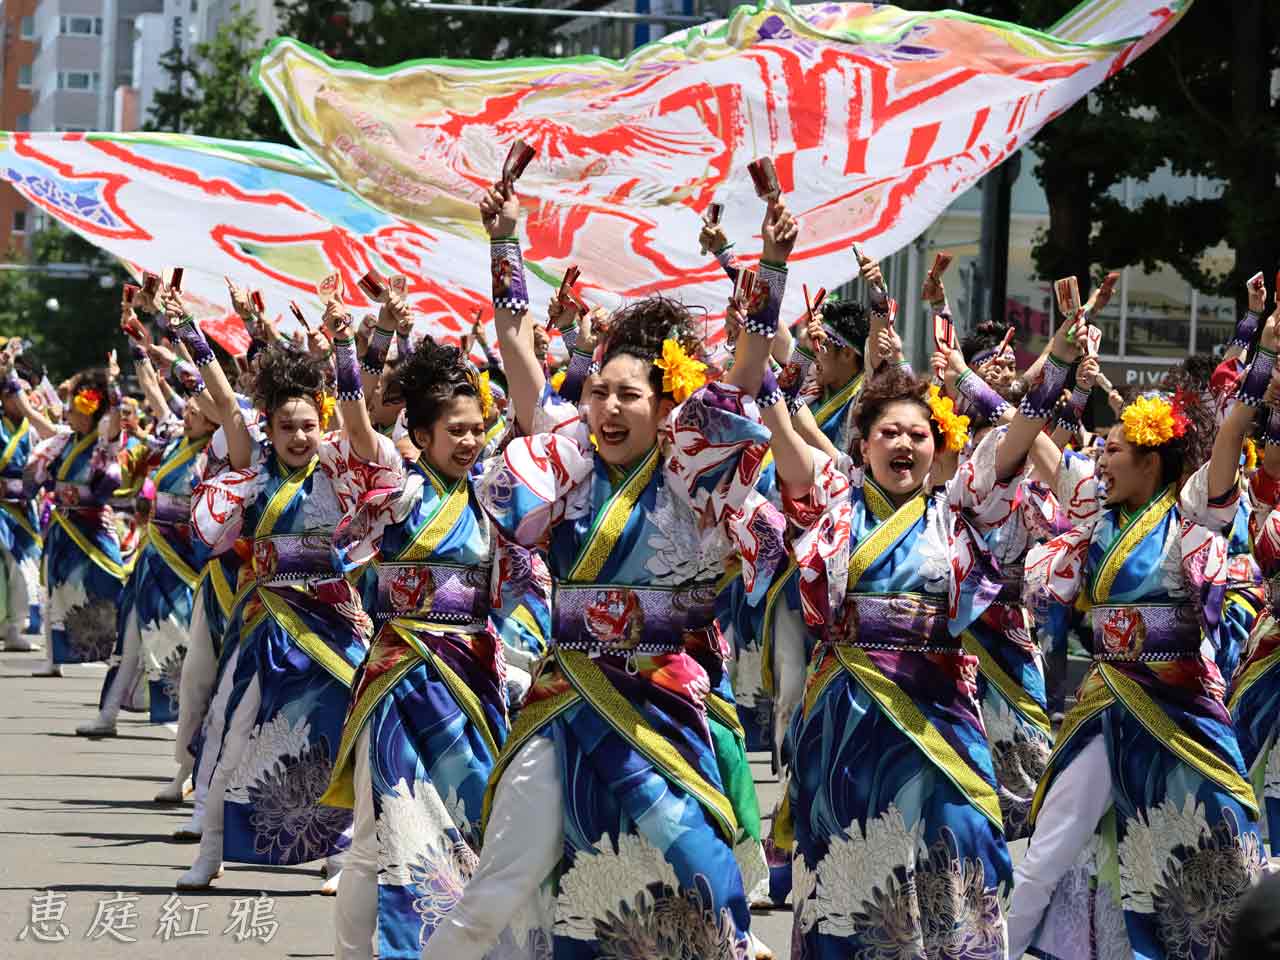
point(16, 99)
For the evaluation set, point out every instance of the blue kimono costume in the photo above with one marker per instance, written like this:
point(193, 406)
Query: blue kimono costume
point(898, 830)
point(83, 565)
point(1178, 847)
point(299, 631)
point(20, 538)
point(431, 695)
point(618, 694)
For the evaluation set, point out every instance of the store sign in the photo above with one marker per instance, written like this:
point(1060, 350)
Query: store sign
point(1126, 373)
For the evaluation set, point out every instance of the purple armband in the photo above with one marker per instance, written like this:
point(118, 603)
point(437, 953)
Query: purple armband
point(12, 383)
point(346, 371)
point(981, 399)
point(1042, 399)
point(568, 334)
point(575, 375)
point(769, 393)
point(177, 404)
point(185, 379)
point(197, 345)
point(1253, 385)
point(404, 346)
point(762, 320)
point(1272, 437)
point(139, 355)
point(728, 263)
point(1069, 416)
point(375, 356)
point(510, 292)
point(1246, 330)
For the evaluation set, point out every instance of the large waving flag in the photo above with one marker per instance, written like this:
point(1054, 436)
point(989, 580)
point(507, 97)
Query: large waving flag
point(876, 118)
point(264, 215)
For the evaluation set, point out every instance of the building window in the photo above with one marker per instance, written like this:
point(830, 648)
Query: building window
point(19, 221)
point(28, 28)
point(65, 128)
point(24, 122)
point(24, 76)
point(78, 80)
point(80, 26)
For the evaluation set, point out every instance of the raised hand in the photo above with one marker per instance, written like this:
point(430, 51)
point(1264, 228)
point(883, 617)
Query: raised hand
point(500, 210)
point(590, 328)
point(162, 358)
point(889, 347)
point(711, 237)
point(817, 336)
point(1069, 337)
point(241, 303)
point(1087, 373)
point(172, 305)
point(780, 231)
point(1257, 294)
point(337, 320)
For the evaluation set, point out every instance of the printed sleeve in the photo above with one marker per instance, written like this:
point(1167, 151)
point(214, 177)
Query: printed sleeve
point(820, 524)
point(218, 505)
point(367, 492)
point(1078, 489)
point(1195, 504)
point(526, 488)
point(986, 501)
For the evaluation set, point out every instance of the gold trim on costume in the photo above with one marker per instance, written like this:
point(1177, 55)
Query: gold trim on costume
point(1095, 700)
point(613, 707)
point(529, 721)
point(170, 556)
point(906, 716)
point(305, 637)
point(119, 571)
point(1009, 688)
point(611, 521)
point(838, 399)
point(20, 518)
point(77, 448)
point(465, 696)
point(1134, 532)
point(727, 714)
point(1255, 670)
point(450, 508)
point(281, 499)
point(11, 447)
point(186, 451)
point(768, 682)
point(884, 536)
point(1158, 723)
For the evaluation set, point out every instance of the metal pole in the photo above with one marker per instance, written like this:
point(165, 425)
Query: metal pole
point(566, 14)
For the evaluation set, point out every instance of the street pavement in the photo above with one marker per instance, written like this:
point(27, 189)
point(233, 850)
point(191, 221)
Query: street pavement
point(86, 854)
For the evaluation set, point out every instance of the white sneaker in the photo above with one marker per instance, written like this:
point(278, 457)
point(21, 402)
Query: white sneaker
point(200, 876)
point(96, 728)
point(15, 642)
point(330, 886)
point(175, 790)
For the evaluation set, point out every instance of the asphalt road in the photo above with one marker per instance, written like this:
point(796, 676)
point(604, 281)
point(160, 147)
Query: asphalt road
point(82, 841)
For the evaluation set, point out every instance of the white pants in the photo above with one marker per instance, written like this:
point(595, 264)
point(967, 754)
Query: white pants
point(128, 673)
point(236, 739)
point(195, 688)
point(789, 665)
point(522, 845)
point(214, 725)
point(356, 920)
point(22, 583)
point(1077, 800)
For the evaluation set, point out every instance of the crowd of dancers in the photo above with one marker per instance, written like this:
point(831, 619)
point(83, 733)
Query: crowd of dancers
point(492, 640)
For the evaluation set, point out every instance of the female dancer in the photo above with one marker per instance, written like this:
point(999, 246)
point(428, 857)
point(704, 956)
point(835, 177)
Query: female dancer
point(298, 624)
point(899, 835)
point(20, 540)
point(428, 707)
point(83, 566)
point(155, 624)
point(1148, 757)
point(608, 795)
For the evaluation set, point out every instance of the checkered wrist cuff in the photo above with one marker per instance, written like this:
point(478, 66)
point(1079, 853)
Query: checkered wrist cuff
point(510, 291)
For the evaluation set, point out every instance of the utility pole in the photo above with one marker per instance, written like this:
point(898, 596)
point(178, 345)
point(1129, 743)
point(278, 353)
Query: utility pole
point(993, 258)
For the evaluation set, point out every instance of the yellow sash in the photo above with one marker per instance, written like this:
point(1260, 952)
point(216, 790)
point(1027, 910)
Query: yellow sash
point(453, 503)
point(185, 452)
point(1135, 531)
point(11, 447)
point(611, 521)
point(842, 396)
point(884, 536)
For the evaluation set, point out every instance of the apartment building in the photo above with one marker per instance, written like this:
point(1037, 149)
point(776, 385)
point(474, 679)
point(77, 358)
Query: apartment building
point(17, 50)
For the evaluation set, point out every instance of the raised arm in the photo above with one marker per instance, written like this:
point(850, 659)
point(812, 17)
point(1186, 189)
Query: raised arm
point(1224, 461)
point(1039, 403)
point(1247, 326)
point(500, 212)
point(355, 415)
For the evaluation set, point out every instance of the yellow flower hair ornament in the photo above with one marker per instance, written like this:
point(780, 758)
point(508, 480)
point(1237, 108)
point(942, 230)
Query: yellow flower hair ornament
point(1250, 454)
point(681, 373)
point(87, 401)
point(325, 406)
point(1153, 420)
point(954, 426)
point(486, 394)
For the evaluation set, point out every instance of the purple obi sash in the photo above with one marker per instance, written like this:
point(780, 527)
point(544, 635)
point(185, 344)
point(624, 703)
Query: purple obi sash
point(171, 508)
point(289, 558)
point(908, 621)
point(608, 617)
point(1146, 632)
point(439, 592)
point(80, 496)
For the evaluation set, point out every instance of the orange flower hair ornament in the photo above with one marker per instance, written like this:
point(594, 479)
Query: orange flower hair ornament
point(1154, 420)
point(87, 401)
point(954, 426)
point(681, 373)
point(325, 406)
